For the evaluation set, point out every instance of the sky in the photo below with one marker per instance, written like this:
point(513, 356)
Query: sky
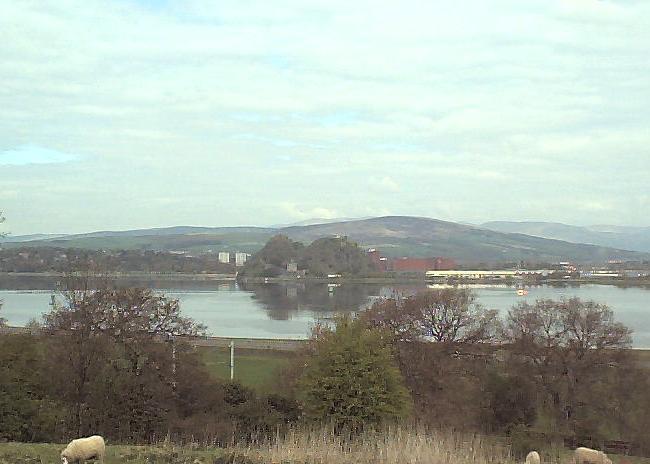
point(132, 114)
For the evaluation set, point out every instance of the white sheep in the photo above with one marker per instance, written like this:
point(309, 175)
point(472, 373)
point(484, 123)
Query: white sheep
point(84, 449)
point(533, 458)
point(584, 455)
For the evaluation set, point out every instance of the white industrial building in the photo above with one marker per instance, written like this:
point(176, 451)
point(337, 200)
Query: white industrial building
point(224, 257)
point(480, 275)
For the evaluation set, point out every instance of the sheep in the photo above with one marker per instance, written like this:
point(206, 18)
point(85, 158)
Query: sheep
point(84, 449)
point(533, 458)
point(584, 455)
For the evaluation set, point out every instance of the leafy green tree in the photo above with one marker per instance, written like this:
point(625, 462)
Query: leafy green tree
point(351, 379)
point(511, 401)
point(26, 414)
point(332, 255)
point(272, 259)
point(335, 255)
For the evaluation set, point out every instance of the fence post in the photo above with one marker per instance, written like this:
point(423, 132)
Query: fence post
point(232, 360)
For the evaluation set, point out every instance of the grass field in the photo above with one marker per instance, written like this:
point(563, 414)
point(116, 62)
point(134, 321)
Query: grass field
point(24, 453)
point(258, 369)
point(318, 446)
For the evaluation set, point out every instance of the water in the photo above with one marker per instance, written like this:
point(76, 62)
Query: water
point(289, 311)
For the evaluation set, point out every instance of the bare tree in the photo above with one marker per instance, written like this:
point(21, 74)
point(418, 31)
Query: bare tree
point(449, 315)
point(570, 347)
point(95, 327)
point(453, 315)
point(575, 328)
point(392, 316)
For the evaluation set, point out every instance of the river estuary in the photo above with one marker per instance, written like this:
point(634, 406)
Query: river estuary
point(289, 311)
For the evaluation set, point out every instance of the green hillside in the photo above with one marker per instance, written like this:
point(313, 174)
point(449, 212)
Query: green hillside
point(413, 236)
point(247, 241)
point(392, 235)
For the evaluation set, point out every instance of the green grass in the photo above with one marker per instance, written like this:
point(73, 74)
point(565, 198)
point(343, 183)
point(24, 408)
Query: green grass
point(311, 447)
point(258, 369)
point(38, 453)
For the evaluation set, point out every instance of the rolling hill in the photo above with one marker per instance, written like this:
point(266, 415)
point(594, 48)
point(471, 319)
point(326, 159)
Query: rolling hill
point(182, 238)
point(392, 235)
point(630, 238)
point(414, 236)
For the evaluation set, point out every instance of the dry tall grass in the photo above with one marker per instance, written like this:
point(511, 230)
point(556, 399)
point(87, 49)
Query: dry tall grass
point(398, 445)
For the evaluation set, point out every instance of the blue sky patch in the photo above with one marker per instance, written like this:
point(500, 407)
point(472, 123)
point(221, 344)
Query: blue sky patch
point(34, 154)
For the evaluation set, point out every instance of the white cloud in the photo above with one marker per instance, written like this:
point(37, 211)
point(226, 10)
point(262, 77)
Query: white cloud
point(299, 212)
point(234, 107)
point(389, 184)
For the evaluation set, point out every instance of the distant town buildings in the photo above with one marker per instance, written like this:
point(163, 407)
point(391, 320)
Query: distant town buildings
point(238, 258)
point(567, 266)
point(241, 258)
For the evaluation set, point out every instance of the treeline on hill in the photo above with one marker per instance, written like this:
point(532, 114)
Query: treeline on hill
point(324, 256)
point(72, 259)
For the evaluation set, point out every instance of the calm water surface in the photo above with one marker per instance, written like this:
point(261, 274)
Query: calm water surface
point(289, 311)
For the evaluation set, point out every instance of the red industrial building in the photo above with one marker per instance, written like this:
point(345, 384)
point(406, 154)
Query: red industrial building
point(407, 264)
point(445, 264)
point(412, 264)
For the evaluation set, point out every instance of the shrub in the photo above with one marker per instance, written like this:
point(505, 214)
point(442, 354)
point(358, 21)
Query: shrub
point(351, 380)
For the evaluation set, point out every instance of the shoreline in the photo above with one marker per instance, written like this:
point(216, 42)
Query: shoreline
point(172, 276)
point(129, 275)
point(264, 344)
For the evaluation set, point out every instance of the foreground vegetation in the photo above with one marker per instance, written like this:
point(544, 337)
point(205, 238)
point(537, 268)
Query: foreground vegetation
point(109, 361)
point(41, 453)
point(316, 446)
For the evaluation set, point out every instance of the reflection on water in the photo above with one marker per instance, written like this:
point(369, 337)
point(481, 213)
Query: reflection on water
point(290, 310)
point(282, 301)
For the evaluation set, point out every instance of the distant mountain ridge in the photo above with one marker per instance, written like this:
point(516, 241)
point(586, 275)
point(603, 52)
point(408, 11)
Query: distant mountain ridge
point(630, 238)
point(29, 238)
point(417, 236)
point(315, 221)
point(392, 235)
